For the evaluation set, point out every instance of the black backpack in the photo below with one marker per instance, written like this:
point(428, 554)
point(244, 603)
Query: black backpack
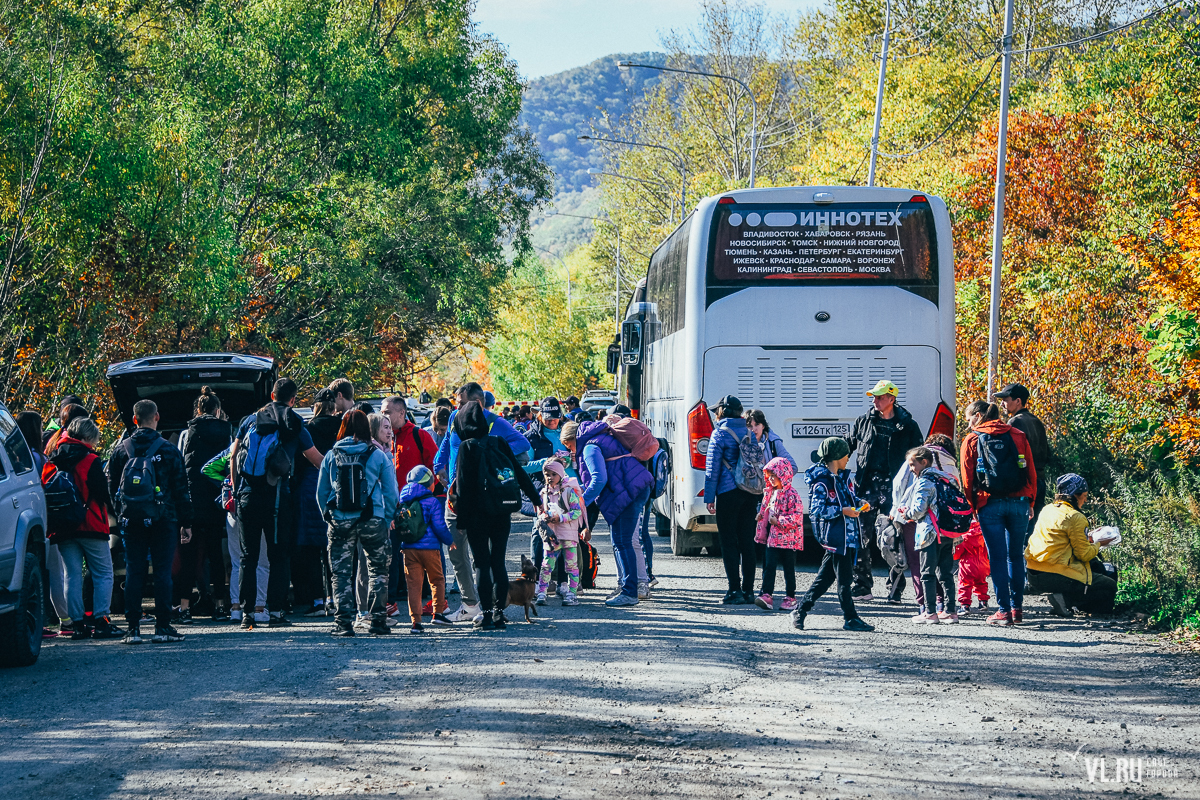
point(410, 522)
point(952, 514)
point(138, 494)
point(497, 479)
point(589, 565)
point(350, 492)
point(65, 510)
point(999, 468)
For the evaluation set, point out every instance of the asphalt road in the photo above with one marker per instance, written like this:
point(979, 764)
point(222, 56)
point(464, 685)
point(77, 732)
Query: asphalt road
point(677, 697)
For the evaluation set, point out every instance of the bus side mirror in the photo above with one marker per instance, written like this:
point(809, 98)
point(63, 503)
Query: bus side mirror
point(614, 358)
point(631, 343)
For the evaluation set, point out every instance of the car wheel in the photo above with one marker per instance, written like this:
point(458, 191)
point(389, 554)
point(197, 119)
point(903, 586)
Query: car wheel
point(21, 629)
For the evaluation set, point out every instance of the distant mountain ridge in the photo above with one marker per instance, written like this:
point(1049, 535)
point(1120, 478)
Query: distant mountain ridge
point(560, 107)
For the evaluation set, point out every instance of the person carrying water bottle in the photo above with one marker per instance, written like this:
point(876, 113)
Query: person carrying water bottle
point(733, 488)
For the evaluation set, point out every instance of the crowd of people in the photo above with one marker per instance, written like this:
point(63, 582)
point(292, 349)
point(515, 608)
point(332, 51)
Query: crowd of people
point(949, 517)
point(360, 516)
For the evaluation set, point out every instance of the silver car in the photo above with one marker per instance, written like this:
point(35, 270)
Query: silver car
point(22, 548)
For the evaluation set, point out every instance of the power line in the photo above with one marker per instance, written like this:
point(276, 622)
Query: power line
point(1100, 35)
point(954, 121)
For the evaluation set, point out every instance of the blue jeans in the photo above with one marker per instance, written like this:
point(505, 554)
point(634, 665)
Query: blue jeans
point(1004, 521)
point(647, 542)
point(623, 529)
point(99, 562)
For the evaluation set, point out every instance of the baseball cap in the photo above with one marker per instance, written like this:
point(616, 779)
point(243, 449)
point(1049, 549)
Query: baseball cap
point(884, 387)
point(729, 402)
point(1014, 390)
point(550, 408)
point(489, 399)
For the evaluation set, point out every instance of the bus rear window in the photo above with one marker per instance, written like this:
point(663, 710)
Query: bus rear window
point(885, 244)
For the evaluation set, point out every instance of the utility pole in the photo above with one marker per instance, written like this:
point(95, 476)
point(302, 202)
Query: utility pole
point(887, 38)
point(998, 221)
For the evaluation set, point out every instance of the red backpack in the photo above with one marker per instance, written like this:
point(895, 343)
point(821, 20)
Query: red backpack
point(635, 437)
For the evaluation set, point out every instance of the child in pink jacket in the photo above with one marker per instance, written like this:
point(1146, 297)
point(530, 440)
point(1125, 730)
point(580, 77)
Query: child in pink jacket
point(781, 529)
point(973, 569)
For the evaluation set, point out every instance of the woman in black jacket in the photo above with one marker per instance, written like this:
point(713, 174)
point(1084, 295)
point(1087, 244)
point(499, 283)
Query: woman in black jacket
point(487, 530)
point(310, 564)
point(207, 434)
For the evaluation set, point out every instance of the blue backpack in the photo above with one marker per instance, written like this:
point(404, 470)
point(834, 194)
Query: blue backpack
point(266, 457)
point(660, 467)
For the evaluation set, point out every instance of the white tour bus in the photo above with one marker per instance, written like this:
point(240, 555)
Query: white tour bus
point(796, 300)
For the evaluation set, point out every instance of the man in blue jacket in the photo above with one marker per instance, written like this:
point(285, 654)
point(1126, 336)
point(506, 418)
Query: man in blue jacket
point(444, 464)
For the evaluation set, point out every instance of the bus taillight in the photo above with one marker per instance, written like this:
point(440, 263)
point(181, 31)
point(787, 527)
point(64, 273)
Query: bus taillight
point(943, 421)
point(700, 428)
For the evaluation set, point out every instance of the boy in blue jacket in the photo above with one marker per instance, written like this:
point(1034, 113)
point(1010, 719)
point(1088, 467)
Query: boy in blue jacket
point(834, 509)
point(424, 559)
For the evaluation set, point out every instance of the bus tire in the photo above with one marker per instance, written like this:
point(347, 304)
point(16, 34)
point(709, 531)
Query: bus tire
point(662, 525)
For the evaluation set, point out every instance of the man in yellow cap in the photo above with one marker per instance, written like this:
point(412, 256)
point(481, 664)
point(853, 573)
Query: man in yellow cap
point(882, 437)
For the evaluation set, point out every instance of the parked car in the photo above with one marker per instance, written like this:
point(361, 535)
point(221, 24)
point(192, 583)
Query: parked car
point(22, 548)
point(598, 402)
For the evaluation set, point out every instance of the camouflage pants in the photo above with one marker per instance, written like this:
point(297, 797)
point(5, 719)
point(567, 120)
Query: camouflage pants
point(344, 538)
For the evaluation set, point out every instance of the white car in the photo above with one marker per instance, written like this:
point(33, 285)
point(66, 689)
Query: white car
point(22, 548)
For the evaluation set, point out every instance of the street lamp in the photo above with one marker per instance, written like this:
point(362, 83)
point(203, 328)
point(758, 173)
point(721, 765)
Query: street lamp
point(639, 180)
point(617, 291)
point(682, 164)
point(625, 65)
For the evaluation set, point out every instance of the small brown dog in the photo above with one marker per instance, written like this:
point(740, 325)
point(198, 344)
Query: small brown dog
point(522, 590)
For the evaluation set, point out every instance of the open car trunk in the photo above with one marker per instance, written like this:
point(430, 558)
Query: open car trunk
point(243, 383)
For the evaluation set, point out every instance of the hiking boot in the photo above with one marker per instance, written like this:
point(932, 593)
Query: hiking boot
point(789, 604)
point(798, 618)
point(441, 619)
point(541, 599)
point(498, 620)
point(1000, 618)
point(1018, 616)
point(278, 621)
point(104, 629)
point(621, 600)
point(1058, 603)
point(342, 630)
point(465, 613)
point(79, 630)
point(165, 633)
point(765, 602)
point(731, 598)
point(417, 628)
point(379, 628)
point(133, 635)
point(486, 622)
point(857, 624)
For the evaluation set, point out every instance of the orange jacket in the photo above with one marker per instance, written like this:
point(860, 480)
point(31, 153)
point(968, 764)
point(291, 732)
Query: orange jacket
point(970, 454)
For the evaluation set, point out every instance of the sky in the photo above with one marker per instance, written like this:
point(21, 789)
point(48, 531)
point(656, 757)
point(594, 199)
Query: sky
point(548, 36)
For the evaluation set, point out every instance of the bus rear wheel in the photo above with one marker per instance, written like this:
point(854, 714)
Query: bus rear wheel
point(681, 544)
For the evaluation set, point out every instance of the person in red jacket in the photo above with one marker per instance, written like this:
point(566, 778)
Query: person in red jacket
point(996, 456)
point(411, 447)
point(75, 454)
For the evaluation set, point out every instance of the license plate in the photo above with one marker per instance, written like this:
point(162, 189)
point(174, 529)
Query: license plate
point(819, 430)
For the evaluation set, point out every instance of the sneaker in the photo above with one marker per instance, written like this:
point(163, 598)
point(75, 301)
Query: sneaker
point(498, 620)
point(262, 618)
point(552, 588)
point(857, 624)
point(342, 630)
point(362, 622)
point(866, 597)
point(731, 598)
point(747, 598)
point(798, 619)
point(133, 636)
point(379, 628)
point(441, 619)
point(317, 611)
point(393, 610)
point(1000, 618)
point(948, 618)
point(1018, 616)
point(465, 613)
point(247, 620)
point(182, 616)
point(926, 619)
point(417, 628)
point(485, 622)
point(789, 604)
point(765, 602)
point(278, 621)
point(569, 599)
point(166, 634)
point(653, 583)
point(643, 591)
point(49, 634)
point(1058, 603)
point(220, 615)
point(104, 629)
point(427, 609)
point(895, 601)
point(79, 630)
point(621, 600)
point(541, 599)
point(964, 609)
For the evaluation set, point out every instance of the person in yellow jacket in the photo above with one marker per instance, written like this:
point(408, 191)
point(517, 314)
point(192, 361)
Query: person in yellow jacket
point(1059, 554)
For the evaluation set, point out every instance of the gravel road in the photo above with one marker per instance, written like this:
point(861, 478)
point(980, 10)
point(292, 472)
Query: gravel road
point(677, 697)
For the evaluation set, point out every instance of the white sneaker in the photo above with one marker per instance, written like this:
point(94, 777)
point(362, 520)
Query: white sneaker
point(621, 600)
point(569, 599)
point(541, 599)
point(465, 613)
point(643, 591)
point(261, 617)
point(362, 623)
